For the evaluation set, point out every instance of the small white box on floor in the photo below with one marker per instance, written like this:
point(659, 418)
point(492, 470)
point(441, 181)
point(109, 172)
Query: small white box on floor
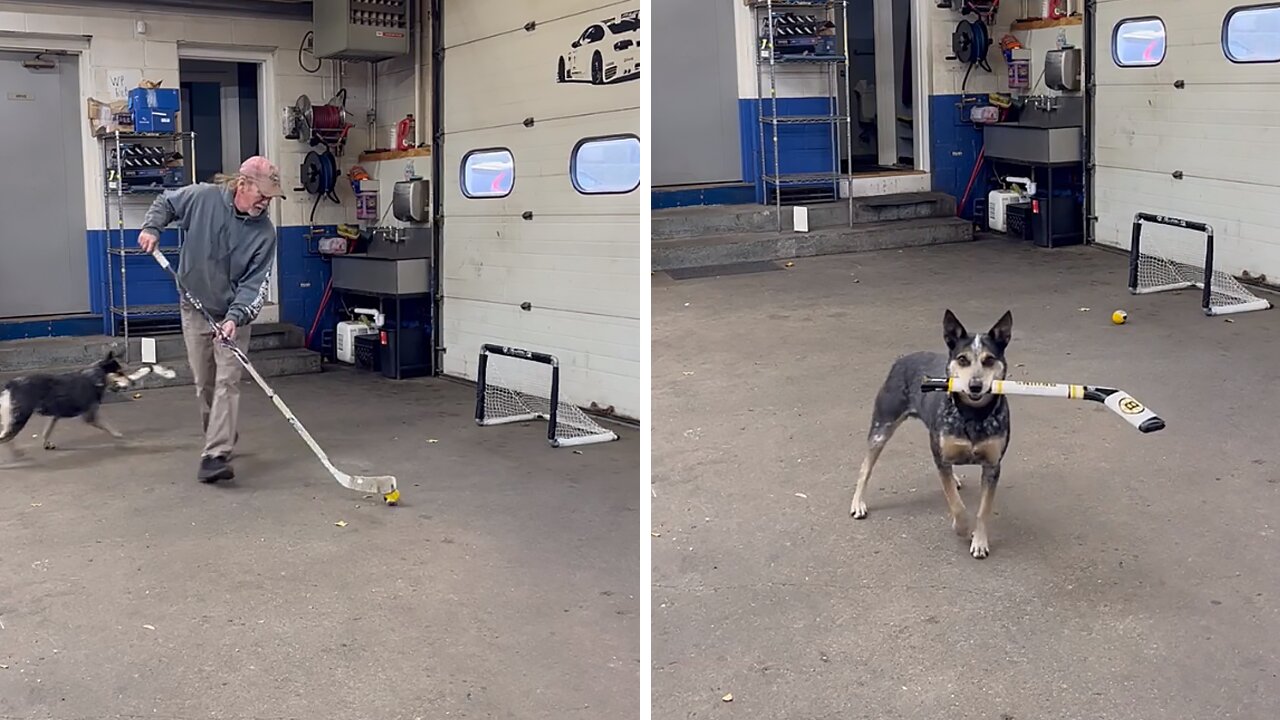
point(800, 218)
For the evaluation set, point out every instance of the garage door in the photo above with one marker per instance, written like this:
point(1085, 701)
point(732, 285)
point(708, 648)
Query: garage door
point(540, 190)
point(1182, 129)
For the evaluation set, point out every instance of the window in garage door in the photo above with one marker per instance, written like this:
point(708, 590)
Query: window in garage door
point(1139, 42)
point(1252, 34)
point(489, 173)
point(606, 165)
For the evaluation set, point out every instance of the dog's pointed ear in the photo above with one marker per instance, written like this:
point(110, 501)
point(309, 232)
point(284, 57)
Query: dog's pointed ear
point(1002, 332)
point(952, 331)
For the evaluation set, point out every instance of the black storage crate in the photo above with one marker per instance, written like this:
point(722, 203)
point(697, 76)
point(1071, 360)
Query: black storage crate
point(1018, 219)
point(368, 353)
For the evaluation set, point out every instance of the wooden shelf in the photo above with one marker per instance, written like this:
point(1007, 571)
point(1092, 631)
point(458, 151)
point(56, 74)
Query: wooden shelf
point(395, 154)
point(1046, 24)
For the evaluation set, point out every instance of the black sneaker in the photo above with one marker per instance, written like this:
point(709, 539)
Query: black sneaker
point(213, 469)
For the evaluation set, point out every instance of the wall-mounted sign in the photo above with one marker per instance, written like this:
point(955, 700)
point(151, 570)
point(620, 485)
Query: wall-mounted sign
point(606, 52)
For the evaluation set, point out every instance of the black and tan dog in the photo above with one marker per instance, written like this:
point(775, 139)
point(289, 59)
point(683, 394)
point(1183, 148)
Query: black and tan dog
point(965, 428)
point(68, 395)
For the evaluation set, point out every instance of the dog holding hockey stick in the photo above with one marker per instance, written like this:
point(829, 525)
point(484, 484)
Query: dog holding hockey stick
point(67, 395)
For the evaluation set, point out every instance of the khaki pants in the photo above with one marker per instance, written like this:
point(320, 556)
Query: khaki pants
point(217, 378)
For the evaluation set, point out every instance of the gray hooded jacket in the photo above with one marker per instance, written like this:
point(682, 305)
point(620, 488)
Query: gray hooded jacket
point(226, 256)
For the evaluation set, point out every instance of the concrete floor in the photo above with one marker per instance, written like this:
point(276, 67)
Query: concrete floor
point(504, 586)
point(1131, 576)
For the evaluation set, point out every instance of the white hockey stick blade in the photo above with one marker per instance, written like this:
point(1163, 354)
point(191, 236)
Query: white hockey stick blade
point(140, 373)
point(146, 370)
point(1133, 412)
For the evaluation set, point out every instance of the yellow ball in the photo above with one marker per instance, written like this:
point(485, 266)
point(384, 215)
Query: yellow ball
point(1119, 317)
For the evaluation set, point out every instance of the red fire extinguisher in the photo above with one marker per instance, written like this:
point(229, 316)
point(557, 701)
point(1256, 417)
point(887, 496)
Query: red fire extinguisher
point(404, 133)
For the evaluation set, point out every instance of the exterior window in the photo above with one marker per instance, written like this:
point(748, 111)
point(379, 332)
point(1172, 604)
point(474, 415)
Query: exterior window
point(488, 173)
point(1252, 34)
point(606, 165)
point(1139, 42)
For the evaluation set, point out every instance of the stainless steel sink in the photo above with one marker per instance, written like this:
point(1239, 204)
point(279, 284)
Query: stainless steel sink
point(1031, 144)
point(1052, 113)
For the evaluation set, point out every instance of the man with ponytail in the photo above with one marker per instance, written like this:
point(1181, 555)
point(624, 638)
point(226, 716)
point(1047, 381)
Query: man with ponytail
point(225, 262)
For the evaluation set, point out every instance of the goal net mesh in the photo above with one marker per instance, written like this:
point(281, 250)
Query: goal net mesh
point(519, 390)
point(1170, 259)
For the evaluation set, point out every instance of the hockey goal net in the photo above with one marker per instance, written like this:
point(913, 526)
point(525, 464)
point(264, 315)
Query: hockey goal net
point(515, 385)
point(1164, 262)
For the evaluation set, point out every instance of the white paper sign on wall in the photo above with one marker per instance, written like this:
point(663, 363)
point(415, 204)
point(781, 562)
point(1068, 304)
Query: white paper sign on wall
point(122, 81)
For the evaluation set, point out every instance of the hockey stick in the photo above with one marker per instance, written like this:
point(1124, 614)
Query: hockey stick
point(1119, 401)
point(384, 485)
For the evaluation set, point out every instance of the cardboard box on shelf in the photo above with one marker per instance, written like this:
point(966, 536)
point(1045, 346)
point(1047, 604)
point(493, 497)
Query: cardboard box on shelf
point(108, 117)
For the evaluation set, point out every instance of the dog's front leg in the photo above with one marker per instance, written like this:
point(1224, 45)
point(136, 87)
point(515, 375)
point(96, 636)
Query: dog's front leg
point(980, 547)
point(48, 432)
point(95, 420)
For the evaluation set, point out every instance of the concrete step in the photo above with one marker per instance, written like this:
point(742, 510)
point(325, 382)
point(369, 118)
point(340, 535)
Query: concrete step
point(60, 352)
point(268, 363)
point(265, 336)
point(703, 221)
point(35, 353)
point(755, 247)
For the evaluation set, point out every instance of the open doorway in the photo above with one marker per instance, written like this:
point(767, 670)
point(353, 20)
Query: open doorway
point(880, 85)
point(862, 156)
point(223, 94)
point(903, 84)
point(220, 104)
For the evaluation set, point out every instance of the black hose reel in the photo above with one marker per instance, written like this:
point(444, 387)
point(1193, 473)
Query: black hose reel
point(320, 177)
point(971, 41)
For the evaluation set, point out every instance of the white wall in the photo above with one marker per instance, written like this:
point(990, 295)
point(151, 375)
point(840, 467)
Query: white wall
point(1041, 41)
point(395, 79)
point(395, 98)
point(948, 75)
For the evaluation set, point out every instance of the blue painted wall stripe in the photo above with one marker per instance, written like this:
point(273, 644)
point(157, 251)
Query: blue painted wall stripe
point(801, 148)
point(732, 194)
point(954, 144)
point(301, 273)
point(74, 326)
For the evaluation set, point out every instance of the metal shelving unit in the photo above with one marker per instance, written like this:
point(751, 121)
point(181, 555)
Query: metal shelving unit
point(825, 59)
point(121, 184)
